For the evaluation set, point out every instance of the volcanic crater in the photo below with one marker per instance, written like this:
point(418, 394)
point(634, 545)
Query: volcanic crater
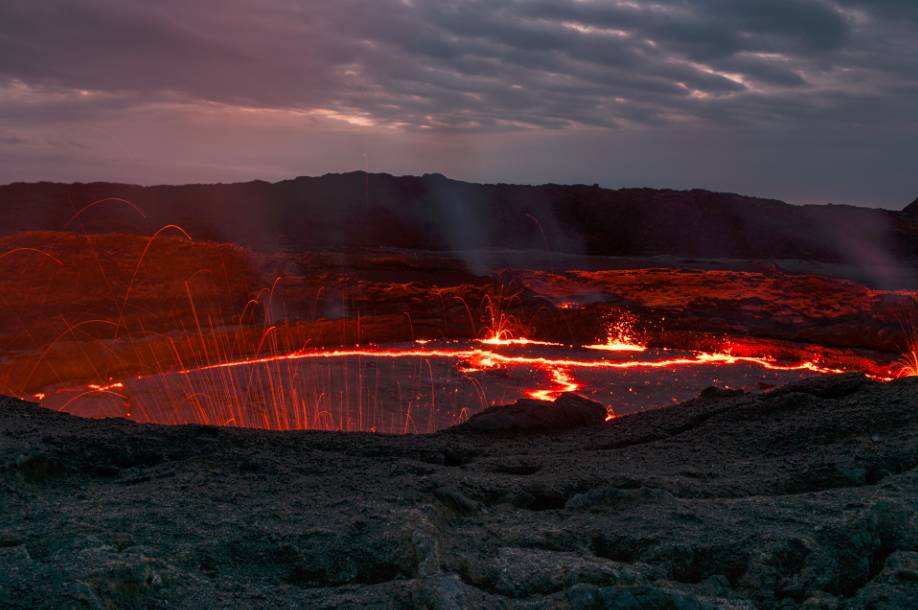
point(528, 423)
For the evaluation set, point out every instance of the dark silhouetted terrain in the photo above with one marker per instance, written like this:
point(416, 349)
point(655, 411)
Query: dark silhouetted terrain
point(911, 210)
point(434, 213)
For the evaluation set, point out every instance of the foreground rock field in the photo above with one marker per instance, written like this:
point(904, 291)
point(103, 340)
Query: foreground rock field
point(805, 496)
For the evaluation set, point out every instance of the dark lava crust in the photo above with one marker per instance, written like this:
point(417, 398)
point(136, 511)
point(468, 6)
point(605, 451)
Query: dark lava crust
point(802, 497)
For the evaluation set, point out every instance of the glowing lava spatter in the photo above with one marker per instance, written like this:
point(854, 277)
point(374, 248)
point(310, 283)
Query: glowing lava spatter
point(620, 338)
point(495, 340)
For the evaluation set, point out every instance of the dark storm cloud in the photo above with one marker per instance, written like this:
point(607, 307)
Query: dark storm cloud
point(472, 68)
point(477, 64)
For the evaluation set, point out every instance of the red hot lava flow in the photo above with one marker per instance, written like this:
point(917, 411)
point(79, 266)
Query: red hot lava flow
point(164, 329)
point(329, 389)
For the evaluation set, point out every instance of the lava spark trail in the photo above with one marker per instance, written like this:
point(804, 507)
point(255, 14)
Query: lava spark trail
point(481, 358)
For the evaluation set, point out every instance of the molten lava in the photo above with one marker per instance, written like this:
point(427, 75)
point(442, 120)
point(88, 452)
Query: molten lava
point(163, 329)
point(275, 391)
point(563, 382)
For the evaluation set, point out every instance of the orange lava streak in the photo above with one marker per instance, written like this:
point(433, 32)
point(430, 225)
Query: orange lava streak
point(104, 388)
point(35, 250)
point(480, 358)
point(91, 392)
point(70, 330)
point(105, 200)
point(564, 382)
point(146, 248)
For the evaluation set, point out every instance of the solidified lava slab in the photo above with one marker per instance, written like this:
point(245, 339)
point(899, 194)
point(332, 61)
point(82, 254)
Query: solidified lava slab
point(772, 304)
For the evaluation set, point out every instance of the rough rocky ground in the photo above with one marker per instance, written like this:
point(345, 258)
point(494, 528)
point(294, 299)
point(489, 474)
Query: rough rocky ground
point(802, 497)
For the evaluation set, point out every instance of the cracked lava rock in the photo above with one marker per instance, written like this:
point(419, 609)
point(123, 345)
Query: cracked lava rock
point(804, 496)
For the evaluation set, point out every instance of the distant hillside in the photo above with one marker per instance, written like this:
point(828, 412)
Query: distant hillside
point(433, 212)
point(911, 210)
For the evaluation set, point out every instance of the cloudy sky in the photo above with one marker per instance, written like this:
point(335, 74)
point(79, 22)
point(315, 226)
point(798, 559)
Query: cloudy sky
point(807, 100)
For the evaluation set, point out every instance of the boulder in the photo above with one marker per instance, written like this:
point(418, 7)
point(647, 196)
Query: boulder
point(567, 411)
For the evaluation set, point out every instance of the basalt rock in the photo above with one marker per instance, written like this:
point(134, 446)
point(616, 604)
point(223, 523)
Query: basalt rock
point(567, 411)
point(801, 498)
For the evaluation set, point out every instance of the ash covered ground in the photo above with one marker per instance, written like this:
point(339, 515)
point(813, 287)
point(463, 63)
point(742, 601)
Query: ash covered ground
point(804, 496)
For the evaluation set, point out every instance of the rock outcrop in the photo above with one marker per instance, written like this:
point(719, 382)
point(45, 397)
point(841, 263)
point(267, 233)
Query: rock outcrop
point(567, 411)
